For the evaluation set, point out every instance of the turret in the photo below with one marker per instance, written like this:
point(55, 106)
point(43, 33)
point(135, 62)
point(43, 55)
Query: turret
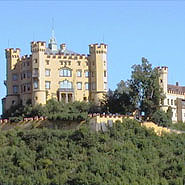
point(98, 68)
point(163, 78)
point(12, 56)
point(38, 72)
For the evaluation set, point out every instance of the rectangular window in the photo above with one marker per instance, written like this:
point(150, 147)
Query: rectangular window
point(93, 73)
point(105, 73)
point(15, 89)
point(172, 102)
point(86, 73)
point(65, 72)
point(93, 86)
point(28, 74)
point(47, 84)
point(105, 85)
point(28, 87)
point(79, 85)
point(86, 86)
point(47, 72)
point(35, 72)
point(35, 84)
point(78, 63)
point(47, 62)
point(15, 77)
point(168, 101)
point(79, 73)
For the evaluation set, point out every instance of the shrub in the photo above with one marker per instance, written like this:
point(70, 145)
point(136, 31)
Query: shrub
point(161, 118)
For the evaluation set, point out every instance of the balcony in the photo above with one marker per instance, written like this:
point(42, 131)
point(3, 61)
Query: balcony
point(35, 75)
point(66, 90)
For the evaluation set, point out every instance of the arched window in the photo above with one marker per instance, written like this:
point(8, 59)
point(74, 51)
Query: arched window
point(66, 84)
point(65, 72)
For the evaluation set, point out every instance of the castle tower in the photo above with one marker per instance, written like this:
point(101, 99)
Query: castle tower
point(12, 86)
point(163, 78)
point(38, 72)
point(98, 71)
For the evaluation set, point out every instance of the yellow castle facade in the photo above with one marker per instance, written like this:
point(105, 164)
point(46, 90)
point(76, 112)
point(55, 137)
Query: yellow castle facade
point(50, 72)
point(174, 96)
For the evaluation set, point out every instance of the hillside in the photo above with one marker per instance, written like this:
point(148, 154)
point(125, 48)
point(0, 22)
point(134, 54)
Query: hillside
point(126, 154)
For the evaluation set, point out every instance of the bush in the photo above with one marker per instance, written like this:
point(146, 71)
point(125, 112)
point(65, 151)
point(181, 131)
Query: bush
point(161, 118)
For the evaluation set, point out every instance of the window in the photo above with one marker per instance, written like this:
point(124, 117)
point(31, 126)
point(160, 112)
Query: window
point(86, 73)
point(24, 75)
point(171, 102)
point(79, 85)
point(28, 87)
point(66, 84)
point(168, 101)
point(105, 85)
point(79, 73)
point(28, 74)
point(35, 84)
point(105, 73)
point(47, 72)
point(86, 86)
point(47, 62)
point(78, 63)
point(15, 77)
point(15, 89)
point(35, 72)
point(35, 61)
point(93, 86)
point(65, 72)
point(93, 74)
point(161, 81)
point(47, 84)
point(28, 64)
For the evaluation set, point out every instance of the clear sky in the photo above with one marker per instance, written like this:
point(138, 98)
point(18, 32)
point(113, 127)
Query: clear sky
point(132, 29)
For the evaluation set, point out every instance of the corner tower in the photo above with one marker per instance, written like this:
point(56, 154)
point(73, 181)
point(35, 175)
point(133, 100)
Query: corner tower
point(163, 78)
point(98, 71)
point(38, 72)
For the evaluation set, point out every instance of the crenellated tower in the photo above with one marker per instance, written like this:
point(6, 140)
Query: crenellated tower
point(38, 72)
point(163, 78)
point(98, 68)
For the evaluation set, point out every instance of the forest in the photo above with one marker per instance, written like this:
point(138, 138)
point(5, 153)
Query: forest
point(127, 154)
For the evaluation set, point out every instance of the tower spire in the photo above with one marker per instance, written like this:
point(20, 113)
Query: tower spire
point(52, 42)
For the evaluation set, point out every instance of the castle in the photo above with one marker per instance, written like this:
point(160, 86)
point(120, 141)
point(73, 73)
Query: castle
point(50, 72)
point(174, 96)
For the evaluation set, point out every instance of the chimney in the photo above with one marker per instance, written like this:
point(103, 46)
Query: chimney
point(63, 46)
point(177, 83)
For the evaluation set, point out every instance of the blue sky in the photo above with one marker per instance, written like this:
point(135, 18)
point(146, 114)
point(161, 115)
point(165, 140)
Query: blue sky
point(132, 29)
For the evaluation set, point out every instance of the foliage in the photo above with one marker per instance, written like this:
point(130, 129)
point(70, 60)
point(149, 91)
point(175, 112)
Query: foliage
point(178, 126)
point(54, 110)
point(126, 154)
point(119, 101)
point(145, 89)
point(161, 118)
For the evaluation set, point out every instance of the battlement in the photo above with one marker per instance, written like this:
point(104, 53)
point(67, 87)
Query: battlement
point(26, 57)
point(13, 50)
point(67, 56)
point(38, 46)
point(162, 69)
point(98, 47)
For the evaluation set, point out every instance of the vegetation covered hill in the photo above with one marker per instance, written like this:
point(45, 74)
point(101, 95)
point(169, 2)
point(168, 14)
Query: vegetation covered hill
point(126, 154)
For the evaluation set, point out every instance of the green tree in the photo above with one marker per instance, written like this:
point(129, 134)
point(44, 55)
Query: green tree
point(119, 101)
point(145, 89)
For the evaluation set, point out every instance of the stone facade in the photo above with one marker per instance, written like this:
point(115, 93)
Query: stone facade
point(50, 72)
point(174, 96)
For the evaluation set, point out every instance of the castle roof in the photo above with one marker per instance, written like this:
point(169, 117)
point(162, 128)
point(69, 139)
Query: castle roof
point(176, 89)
